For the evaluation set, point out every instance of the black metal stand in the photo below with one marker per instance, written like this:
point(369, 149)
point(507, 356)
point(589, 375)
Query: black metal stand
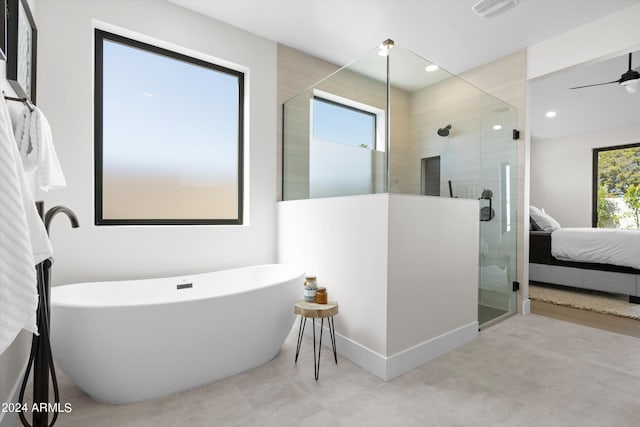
point(316, 366)
point(316, 358)
point(303, 323)
point(41, 358)
point(41, 362)
point(332, 333)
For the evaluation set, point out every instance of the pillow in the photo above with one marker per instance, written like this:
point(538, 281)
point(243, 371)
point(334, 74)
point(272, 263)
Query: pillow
point(542, 221)
point(533, 226)
point(534, 212)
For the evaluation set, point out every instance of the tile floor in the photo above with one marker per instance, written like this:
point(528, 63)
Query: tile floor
point(525, 371)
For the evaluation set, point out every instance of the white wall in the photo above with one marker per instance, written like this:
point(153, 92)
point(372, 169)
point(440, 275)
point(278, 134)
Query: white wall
point(433, 268)
point(65, 73)
point(403, 269)
point(343, 240)
point(607, 37)
point(561, 172)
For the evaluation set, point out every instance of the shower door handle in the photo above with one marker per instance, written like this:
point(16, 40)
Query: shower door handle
point(486, 212)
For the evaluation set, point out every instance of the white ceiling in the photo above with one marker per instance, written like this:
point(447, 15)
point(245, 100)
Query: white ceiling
point(407, 71)
point(448, 33)
point(445, 32)
point(584, 110)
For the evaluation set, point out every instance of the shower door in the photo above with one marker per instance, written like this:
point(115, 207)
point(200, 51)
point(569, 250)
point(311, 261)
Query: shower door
point(498, 201)
point(475, 159)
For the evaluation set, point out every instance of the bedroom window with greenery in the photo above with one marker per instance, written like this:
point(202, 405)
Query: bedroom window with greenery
point(168, 136)
point(616, 187)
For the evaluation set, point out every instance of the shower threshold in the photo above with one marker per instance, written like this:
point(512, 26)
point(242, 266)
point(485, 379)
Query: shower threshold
point(488, 316)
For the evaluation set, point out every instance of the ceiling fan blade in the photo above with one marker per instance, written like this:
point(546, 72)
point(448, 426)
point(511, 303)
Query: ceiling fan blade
point(597, 84)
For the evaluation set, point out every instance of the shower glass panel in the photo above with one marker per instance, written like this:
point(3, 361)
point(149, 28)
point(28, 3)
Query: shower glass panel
point(400, 124)
point(498, 201)
point(441, 122)
point(422, 102)
point(334, 134)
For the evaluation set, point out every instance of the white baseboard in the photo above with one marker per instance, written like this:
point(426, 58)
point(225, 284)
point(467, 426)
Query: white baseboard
point(526, 307)
point(357, 353)
point(387, 368)
point(419, 354)
point(362, 356)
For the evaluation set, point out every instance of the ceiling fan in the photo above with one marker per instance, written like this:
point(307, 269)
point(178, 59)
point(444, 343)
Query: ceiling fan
point(629, 80)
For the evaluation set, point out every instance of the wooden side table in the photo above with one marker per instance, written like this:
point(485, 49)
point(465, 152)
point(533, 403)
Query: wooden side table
point(314, 311)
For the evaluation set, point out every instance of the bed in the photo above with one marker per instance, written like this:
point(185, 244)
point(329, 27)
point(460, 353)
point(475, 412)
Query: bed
point(588, 258)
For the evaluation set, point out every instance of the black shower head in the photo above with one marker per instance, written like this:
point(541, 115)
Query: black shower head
point(444, 131)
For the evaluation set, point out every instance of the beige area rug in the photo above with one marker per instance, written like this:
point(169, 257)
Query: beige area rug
point(586, 300)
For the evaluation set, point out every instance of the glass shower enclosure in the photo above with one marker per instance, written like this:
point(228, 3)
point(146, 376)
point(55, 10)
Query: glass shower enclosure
point(395, 122)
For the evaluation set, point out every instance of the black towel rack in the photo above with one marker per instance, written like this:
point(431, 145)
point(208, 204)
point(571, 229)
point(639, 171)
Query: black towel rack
point(25, 101)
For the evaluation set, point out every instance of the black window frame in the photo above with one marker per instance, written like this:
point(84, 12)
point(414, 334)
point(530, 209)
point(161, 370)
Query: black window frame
point(357, 110)
point(594, 178)
point(100, 36)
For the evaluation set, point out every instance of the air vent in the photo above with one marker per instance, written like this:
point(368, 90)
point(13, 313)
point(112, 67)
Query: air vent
point(490, 8)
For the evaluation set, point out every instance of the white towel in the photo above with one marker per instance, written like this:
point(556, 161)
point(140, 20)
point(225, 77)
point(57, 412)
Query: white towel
point(23, 241)
point(28, 153)
point(35, 143)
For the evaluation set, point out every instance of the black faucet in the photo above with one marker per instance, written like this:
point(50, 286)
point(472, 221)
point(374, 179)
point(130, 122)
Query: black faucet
point(41, 358)
point(56, 210)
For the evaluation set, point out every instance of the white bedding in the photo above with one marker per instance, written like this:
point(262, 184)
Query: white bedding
point(599, 245)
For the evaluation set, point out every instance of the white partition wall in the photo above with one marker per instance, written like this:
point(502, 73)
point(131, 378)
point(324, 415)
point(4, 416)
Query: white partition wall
point(343, 240)
point(433, 269)
point(403, 268)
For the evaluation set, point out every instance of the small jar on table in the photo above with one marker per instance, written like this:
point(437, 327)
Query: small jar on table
point(321, 296)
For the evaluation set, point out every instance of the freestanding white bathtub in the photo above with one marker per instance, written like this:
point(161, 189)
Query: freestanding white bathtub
point(129, 341)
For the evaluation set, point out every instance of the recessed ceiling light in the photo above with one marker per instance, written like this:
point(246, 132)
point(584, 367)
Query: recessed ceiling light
point(497, 127)
point(550, 114)
point(147, 94)
point(431, 68)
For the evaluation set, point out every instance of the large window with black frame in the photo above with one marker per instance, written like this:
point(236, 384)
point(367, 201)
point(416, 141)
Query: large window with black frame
point(616, 187)
point(168, 136)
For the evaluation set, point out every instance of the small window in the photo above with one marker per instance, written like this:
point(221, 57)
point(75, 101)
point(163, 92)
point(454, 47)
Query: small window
point(168, 136)
point(343, 124)
point(616, 187)
point(346, 148)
